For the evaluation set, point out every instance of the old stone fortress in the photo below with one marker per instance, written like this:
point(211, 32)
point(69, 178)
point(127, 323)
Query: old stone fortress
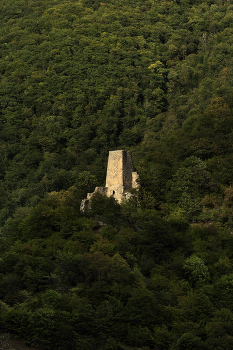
point(120, 178)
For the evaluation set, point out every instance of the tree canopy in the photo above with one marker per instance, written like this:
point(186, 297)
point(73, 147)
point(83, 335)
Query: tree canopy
point(80, 78)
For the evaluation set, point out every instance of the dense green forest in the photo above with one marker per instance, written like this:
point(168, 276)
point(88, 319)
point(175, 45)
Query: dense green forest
point(80, 78)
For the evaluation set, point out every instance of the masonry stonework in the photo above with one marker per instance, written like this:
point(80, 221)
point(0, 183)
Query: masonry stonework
point(119, 180)
point(114, 178)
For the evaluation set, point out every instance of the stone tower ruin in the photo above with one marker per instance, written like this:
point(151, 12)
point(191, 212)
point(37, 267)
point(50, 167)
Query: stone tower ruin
point(119, 180)
point(120, 174)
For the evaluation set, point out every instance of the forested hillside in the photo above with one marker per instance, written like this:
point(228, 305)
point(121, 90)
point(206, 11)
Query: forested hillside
point(80, 78)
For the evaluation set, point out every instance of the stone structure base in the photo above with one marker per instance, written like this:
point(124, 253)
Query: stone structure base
point(119, 180)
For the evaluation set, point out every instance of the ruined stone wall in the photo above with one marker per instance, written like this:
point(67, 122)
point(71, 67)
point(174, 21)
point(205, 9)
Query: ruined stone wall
point(120, 178)
point(135, 180)
point(86, 203)
point(114, 178)
point(127, 170)
point(119, 173)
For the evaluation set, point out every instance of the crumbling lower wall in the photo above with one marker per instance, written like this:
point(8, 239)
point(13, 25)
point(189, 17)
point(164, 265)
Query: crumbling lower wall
point(86, 203)
point(135, 179)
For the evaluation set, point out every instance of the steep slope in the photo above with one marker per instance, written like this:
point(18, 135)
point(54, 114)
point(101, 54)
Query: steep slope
point(81, 78)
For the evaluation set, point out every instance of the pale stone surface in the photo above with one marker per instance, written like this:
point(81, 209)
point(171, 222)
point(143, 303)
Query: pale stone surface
point(119, 173)
point(135, 180)
point(119, 180)
point(114, 178)
point(84, 205)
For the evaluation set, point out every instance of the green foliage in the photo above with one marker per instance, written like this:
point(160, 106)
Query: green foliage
point(219, 332)
point(106, 208)
point(179, 223)
point(224, 291)
point(93, 77)
point(143, 309)
point(85, 183)
point(51, 298)
point(190, 341)
point(80, 78)
point(196, 270)
point(191, 181)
